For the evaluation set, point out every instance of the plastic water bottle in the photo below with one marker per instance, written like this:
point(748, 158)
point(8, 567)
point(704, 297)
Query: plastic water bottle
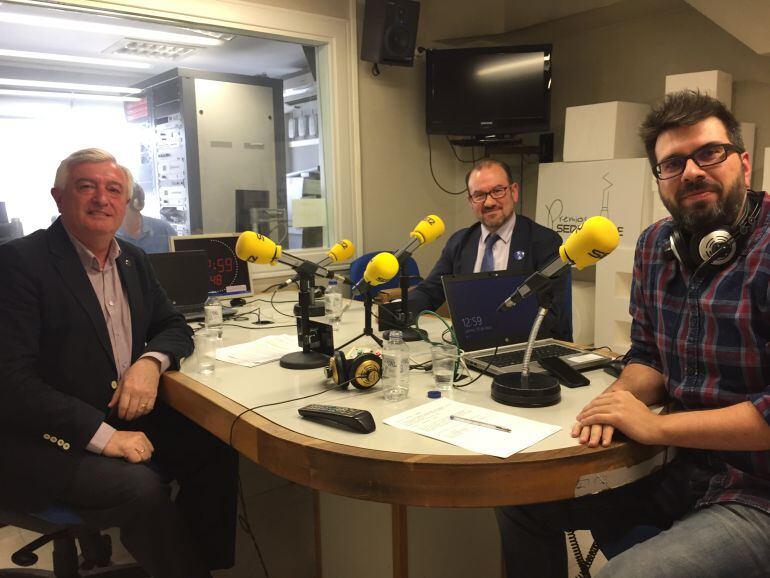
point(212, 315)
point(333, 304)
point(395, 367)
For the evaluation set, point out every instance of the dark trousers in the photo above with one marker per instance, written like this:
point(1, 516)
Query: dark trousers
point(533, 535)
point(181, 538)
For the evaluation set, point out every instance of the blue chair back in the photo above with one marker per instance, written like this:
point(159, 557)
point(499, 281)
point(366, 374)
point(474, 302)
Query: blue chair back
point(358, 267)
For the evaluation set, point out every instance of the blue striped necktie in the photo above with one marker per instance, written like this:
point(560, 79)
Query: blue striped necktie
point(488, 261)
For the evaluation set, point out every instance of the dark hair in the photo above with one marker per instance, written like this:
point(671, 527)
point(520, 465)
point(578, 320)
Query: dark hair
point(485, 163)
point(685, 108)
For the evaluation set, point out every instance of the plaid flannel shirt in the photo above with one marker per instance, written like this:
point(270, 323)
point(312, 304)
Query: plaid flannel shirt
point(709, 335)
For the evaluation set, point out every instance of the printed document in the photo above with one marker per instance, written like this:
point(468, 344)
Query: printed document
point(259, 351)
point(471, 427)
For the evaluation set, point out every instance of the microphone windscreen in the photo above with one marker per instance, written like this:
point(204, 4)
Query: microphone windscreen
point(342, 251)
point(256, 248)
point(594, 240)
point(428, 230)
point(381, 269)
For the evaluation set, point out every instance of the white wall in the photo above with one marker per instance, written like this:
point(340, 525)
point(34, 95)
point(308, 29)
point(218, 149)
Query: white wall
point(397, 186)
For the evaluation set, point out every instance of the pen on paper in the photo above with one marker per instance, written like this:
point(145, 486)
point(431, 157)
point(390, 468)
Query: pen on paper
point(480, 423)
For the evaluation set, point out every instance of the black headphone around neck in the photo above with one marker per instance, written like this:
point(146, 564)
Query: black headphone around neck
point(693, 250)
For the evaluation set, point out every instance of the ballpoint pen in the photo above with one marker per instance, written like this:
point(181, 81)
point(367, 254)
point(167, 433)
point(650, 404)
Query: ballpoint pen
point(479, 423)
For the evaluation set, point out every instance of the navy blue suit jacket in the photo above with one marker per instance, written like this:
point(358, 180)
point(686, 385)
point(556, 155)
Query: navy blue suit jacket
point(56, 361)
point(536, 245)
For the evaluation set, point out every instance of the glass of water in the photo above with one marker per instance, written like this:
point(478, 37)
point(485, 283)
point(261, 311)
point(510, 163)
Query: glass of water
point(445, 358)
point(206, 343)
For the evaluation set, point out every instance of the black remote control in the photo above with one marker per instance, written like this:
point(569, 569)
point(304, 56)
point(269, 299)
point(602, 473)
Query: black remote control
point(358, 420)
point(565, 373)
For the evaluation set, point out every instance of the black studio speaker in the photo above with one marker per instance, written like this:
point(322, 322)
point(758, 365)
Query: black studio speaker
point(390, 31)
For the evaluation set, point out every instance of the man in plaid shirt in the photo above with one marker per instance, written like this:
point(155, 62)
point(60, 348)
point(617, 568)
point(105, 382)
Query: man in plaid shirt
point(700, 339)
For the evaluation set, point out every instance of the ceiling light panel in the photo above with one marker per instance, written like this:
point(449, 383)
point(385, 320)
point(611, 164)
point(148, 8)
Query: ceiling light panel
point(116, 29)
point(147, 49)
point(70, 59)
point(67, 86)
point(67, 95)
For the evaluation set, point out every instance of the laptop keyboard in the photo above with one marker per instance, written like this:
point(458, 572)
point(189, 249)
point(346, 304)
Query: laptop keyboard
point(190, 308)
point(508, 358)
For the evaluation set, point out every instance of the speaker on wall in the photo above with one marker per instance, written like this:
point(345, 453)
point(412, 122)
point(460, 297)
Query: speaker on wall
point(390, 31)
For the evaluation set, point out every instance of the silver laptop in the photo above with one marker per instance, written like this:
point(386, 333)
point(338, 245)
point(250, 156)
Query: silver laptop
point(473, 300)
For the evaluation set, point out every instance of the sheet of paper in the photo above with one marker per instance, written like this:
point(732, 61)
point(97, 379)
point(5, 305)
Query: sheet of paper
point(586, 357)
point(432, 419)
point(259, 351)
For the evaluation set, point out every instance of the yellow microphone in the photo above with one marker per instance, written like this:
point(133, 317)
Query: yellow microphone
point(426, 231)
point(380, 269)
point(341, 251)
point(593, 240)
point(256, 248)
point(596, 238)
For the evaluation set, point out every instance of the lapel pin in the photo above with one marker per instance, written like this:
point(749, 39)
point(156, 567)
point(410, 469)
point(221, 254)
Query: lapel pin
point(518, 255)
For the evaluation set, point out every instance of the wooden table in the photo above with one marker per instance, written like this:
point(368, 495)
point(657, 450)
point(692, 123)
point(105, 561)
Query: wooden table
point(441, 477)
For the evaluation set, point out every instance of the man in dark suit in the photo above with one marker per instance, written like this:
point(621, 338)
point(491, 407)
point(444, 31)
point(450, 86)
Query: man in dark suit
point(500, 240)
point(85, 333)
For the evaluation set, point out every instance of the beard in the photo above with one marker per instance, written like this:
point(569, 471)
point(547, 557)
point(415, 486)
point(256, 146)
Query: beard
point(706, 216)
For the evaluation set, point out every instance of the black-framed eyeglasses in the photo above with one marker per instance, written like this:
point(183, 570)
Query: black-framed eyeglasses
point(705, 156)
point(496, 193)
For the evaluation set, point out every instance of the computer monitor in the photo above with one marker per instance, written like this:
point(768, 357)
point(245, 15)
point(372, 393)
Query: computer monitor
point(228, 275)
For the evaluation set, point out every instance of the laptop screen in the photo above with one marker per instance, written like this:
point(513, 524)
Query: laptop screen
point(183, 275)
point(473, 300)
point(228, 275)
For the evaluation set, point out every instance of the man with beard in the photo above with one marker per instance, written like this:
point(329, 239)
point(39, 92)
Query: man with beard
point(700, 340)
point(500, 240)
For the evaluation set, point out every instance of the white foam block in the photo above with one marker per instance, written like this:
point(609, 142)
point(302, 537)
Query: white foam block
point(715, 83)
point(603, 131)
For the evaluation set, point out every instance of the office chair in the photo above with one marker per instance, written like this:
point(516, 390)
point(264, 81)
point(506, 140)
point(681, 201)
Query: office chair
point(64, 528)
point(358, 267)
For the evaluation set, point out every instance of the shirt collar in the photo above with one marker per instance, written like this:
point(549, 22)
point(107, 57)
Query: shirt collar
point(505, 232)
point(86, 256)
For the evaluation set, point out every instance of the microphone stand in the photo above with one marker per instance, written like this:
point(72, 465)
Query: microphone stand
point(368, 331)
point(403, 316)
point(307, 358)
point(525, 389)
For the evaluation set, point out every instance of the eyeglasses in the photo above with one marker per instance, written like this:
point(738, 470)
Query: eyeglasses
point(705, 156)
point(496, 193)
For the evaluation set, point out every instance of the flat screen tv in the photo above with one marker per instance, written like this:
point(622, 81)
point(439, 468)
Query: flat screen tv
point(495, 90)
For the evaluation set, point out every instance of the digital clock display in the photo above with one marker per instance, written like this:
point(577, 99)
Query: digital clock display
point(228, 275)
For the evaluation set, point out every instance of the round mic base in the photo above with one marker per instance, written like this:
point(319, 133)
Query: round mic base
point(315, 310)
point(304, 360)
point(537, 390)
point(408, 334)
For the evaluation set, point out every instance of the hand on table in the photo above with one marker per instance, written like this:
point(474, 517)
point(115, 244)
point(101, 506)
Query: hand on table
point(137, 391)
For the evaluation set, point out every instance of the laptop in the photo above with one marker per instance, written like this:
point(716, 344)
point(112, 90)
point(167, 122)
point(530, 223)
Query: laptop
point(473, 300)
point(184, 275)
